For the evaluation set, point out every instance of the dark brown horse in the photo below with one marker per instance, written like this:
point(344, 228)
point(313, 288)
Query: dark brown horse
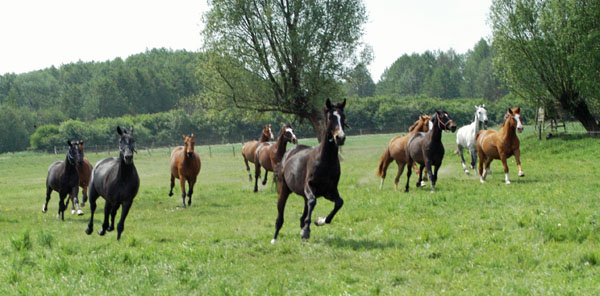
point(500, 144)
point(313, 171)
point(116, 179)
point(185, 166)
point(249, 149)
point(396, 150)
point(85, 172)
point(63, 178)
point(427, 149)
point(269, 155)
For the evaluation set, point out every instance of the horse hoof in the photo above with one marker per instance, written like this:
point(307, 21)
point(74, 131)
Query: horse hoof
point(102, 232)
point(320, 221)
point(467, 172)
point(507, 182)
point(482, 181)
point(170, 193)
point(521, 174)
point(72, 212)
point(83, 204)
point(58, 216)
point(44, 209)
point(88, 231)
point(273, 241)
point(79, 213)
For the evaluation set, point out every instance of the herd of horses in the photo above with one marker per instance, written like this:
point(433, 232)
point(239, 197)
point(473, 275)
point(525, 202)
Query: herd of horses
point(310, 172)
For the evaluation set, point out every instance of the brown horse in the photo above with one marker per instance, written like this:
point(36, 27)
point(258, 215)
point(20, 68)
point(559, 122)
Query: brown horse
point(185, 166)
point(249, 149)
point(396, 150)
point(500, 144)
point(84, 169)
point(269, 155)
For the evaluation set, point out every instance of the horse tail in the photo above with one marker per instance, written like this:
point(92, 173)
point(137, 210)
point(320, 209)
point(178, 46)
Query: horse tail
point(385, 159)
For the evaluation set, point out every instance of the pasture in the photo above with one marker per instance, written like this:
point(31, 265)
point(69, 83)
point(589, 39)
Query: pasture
point(538, 235)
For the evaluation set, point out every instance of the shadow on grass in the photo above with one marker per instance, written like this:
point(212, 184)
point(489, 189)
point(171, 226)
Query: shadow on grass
point(362, 244)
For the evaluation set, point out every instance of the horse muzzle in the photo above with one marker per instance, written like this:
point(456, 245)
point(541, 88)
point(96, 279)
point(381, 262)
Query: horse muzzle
point(128, 159)
point(190, 154)
point(453, 127)
point(520, 129)
point(340, 139)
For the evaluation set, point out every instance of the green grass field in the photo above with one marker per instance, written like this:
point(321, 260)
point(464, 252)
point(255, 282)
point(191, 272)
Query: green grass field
point(538, 235)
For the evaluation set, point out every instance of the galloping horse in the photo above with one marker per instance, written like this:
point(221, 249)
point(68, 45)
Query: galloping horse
point(249, 149)
point(269, 155)
point(116, 179)
point(64, 179)
point(465, 136)
point(84, 169)
point(396, 150)
point(313, 171)
point(427, 148)
point(500, 144)
point(185, 166)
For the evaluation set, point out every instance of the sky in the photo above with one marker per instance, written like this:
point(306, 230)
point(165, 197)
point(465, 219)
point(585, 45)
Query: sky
point(37, 34)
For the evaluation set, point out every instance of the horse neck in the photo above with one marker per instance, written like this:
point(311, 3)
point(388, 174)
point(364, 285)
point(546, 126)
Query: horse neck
point(435, 132)
point(68, 165)
point(280, 146)
point(507, 131)
point(417, 128)
point(477, 125)
point(329, 149)
point(124, 170)
point(264, 137)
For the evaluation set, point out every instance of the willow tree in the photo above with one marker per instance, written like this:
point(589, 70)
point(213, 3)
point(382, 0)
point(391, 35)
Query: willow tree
point(280, 55)
point(548, 51)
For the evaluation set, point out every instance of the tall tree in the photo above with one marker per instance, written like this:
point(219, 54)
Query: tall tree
point(280, 55)
point(359, 83)
point(544, 49)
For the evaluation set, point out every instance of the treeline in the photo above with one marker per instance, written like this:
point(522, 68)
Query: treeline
point(149, 82)
point(434, 74)
point(368, 115)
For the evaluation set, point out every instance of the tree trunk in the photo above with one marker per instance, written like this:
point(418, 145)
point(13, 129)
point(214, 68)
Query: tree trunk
point(317, 120)
point(579, 109)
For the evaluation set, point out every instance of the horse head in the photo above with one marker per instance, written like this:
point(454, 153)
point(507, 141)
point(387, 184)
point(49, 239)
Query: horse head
point(74, 153)
point(442, 120)
point(335, 122)
point(287, 132)
point(189, 145)
point(481, 115)
point(267, 133)
point(126, 144)
point(513, 118)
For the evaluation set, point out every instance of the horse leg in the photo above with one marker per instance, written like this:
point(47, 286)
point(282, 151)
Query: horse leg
point(72, 204)
point(84, 190)
point(488, 161)
point(76, 200)
point(517, 154)
point(191, 183)
point(473, 153)
point(505, 165)
point(256, 175)
point(264, 181)
point(172, 185)
point(247, 168)
point(311, 202)
point(284, 192)
point(435, 175)
point(124, 211)
point(48, 192)
point(408, 173)
point(182, 180)
point(420, 182)
point(432, 178)
point(462, 159)
point(400, 169)
point(107, 210)
point(61, 206)
point(93, 196)
point(384, 167)
point(113, 214)
point(339, 202)
point(304, 213)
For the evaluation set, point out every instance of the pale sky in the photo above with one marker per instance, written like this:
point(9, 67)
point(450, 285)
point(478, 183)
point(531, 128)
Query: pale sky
point(36, 34)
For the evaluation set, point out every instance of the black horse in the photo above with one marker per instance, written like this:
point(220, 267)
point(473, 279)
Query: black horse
point(313, 171)
point(115, 179)
point(427, 149)
point(64, 179)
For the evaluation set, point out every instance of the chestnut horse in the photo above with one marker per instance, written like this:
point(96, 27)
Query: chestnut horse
point(185, 166)
point(63, 178)
point(396, 150)
point(116, 179)
point(313, 171)
point(427, 148)
point(269, 155)
point(500, 144)
point(249, 149)
point(85, 172)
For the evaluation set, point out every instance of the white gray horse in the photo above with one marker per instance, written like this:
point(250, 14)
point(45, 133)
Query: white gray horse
point(465, 137)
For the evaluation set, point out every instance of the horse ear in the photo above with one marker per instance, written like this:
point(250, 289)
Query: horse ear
point(343, 104)
point(518, 110)
point(328, 104)
point(119, 131)
point(510, 111)
point(69, 143)
point(483, 106)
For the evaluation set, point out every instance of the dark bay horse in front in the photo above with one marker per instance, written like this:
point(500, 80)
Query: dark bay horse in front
point(269, 155)
point(427, 149)
point(500, 144)
point(312, 172)
point(64, 179)
point(249, 149)
point(84, 169)
point(396, 150)
point(185, 166)
point(116, 179)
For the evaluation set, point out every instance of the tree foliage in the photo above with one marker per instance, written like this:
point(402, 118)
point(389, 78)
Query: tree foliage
point(545, 49)
point(280, 55)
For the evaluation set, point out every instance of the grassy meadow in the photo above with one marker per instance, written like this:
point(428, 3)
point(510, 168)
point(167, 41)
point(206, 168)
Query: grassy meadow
point(538, 235)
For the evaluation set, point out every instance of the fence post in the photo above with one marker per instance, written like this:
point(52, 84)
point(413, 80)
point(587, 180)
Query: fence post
point(209, 152)
point(233, 150)
point(55, 150)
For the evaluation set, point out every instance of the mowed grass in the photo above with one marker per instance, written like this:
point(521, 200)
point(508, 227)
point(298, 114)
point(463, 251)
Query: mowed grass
point(538, 235)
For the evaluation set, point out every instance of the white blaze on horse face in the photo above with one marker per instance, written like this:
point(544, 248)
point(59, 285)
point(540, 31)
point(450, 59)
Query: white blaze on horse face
point(339, 120)
point(271, 133)
point(430, 125)
point(517, 117)
point(289, 130)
